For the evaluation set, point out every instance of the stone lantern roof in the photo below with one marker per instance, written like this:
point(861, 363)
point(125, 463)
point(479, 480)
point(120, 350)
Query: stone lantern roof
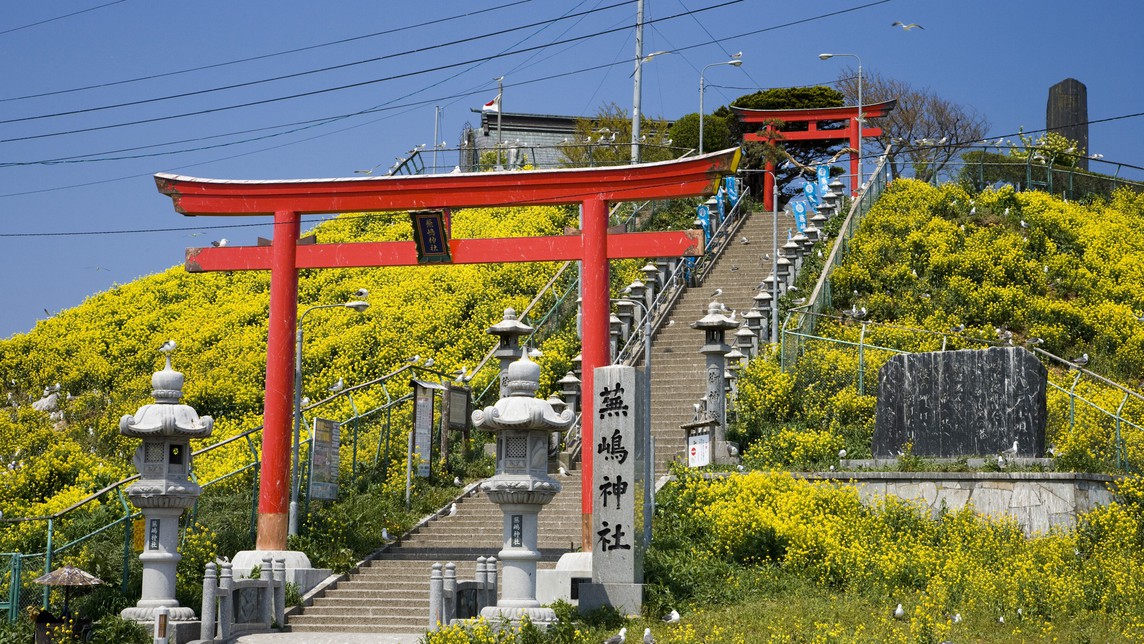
point(510, 325)
point(166, 417)
point(714, 320)
point(520, 409)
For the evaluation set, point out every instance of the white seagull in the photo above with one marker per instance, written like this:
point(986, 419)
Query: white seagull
point(907, 26)
point(220, 243)
point(672, 617)
point(842, 453)
point(562, 471)
point(647, 638)
point(457, 481)
point(743, 240)
point(899, 612)
point(618, 638)
point(717, 292)
point(453, 510)
point(168, 346)
point(1010, 452)
point(338, 386)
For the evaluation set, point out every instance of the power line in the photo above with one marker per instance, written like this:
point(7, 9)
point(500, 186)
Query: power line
point(66, 15)
point(158, 99)
point(263, 56)
point(342, 87)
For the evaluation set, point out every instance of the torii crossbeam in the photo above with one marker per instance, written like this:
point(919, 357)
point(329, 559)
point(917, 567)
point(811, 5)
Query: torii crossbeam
point(814, 118)
point(287, 201)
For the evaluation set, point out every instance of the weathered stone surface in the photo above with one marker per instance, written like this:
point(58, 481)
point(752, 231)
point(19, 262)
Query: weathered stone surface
point(962, 403)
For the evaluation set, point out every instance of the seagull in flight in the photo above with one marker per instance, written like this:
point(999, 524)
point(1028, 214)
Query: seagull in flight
point(907, 26)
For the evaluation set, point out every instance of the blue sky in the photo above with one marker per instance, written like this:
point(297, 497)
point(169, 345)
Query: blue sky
point(72, 92)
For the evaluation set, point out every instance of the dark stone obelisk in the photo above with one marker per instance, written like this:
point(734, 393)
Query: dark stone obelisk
point(1067, 114)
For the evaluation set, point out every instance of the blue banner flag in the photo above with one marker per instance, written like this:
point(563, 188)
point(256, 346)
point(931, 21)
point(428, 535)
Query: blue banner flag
point(799, 209)
point(811, 191)
point(822, 172)
point(704, 215)
point(721, 201)
point(732, 185)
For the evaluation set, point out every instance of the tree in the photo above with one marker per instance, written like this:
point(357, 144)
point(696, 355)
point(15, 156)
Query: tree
point(926, 130)
point(606, 139)
point(804, 153)
point(717, 132)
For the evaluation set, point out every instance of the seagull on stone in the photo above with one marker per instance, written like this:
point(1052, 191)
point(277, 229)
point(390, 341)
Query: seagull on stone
point(562, 471)
point(672, 617)
point(618, 638)
point(168, 346)
point(220, 243)
point(1010, 452)
point(385, 535)
point(906, 26)
point(744, 241)
point(717, 292)
point(453, 510)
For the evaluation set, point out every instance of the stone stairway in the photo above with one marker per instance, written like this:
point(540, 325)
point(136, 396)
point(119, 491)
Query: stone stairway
point(678, 369)
point(390, 593)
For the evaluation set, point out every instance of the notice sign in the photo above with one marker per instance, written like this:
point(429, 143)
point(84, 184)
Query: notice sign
point(422, 427)
point(432, 236)
point(698, 448)
point(325, 459)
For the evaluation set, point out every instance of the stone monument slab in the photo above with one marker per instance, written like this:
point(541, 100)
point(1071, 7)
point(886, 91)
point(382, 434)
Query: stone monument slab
point(962, 403)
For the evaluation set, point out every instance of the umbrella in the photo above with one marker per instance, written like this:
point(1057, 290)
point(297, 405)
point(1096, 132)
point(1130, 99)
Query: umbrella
point(67, 577)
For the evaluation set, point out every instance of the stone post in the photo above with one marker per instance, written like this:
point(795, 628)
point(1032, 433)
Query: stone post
point(280, 591)
point(521, 486)
point(617, 485)
point(436, 598)
point(226, 601)
point(482, 579)
point(208, 627)
point(755, 320)
point(164, 489)
point(450, 592)
point(715, 326)
point(509, 330)
point(266, 574)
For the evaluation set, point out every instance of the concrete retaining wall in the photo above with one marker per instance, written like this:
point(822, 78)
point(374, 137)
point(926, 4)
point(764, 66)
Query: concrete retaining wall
point(1037, 500)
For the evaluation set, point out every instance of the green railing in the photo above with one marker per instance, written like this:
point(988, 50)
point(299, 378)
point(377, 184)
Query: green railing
point(805, 316)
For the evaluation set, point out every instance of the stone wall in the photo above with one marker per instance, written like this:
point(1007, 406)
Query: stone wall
point(1036, 500)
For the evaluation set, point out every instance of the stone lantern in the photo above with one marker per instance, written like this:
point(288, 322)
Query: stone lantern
point(164, 489)
point(509, 330)
point(651, 281)
point(756, 319)
point(521, 486)
point(715, 326)
point(570, 390)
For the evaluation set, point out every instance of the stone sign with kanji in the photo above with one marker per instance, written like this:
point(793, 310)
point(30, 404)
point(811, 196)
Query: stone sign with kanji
point(617, 490)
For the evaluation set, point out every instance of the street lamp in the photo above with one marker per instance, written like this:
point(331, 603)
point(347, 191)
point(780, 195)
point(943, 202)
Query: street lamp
point(648, 465)
point(295, 481)
point(861, 119)
point(774, 252)
point(734, 62)
point(638, 95)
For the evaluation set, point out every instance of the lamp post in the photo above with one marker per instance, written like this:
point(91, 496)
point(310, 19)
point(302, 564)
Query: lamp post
point(295, 481)
point(861, 119)
point(774, 252)
point(734, 62)
point(648, 465)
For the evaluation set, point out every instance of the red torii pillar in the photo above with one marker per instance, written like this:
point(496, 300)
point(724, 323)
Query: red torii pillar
point(287, 201)
point(815, 119)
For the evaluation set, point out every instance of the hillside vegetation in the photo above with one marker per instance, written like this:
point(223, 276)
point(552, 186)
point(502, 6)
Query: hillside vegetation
point(937, 266)
point(102, 354)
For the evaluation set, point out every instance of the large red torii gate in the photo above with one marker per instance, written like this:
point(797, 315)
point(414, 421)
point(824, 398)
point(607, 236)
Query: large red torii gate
point(813, 117)
point(287, 201)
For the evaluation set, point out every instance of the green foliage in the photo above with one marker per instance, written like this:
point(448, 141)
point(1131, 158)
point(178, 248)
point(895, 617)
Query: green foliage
point(717, 132)
point(115, 630)
point(605, 139)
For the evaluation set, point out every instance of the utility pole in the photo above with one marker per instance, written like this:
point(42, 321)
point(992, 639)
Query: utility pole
point(638, 91)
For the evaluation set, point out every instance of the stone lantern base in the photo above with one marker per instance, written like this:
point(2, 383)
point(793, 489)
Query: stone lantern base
point(539, 616)
point(298, 569)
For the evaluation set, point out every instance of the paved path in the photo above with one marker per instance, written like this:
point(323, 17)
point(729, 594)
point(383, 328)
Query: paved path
point(330, 638)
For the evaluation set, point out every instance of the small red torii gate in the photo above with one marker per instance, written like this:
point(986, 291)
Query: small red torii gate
point(813, 117)
point(287, 201)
